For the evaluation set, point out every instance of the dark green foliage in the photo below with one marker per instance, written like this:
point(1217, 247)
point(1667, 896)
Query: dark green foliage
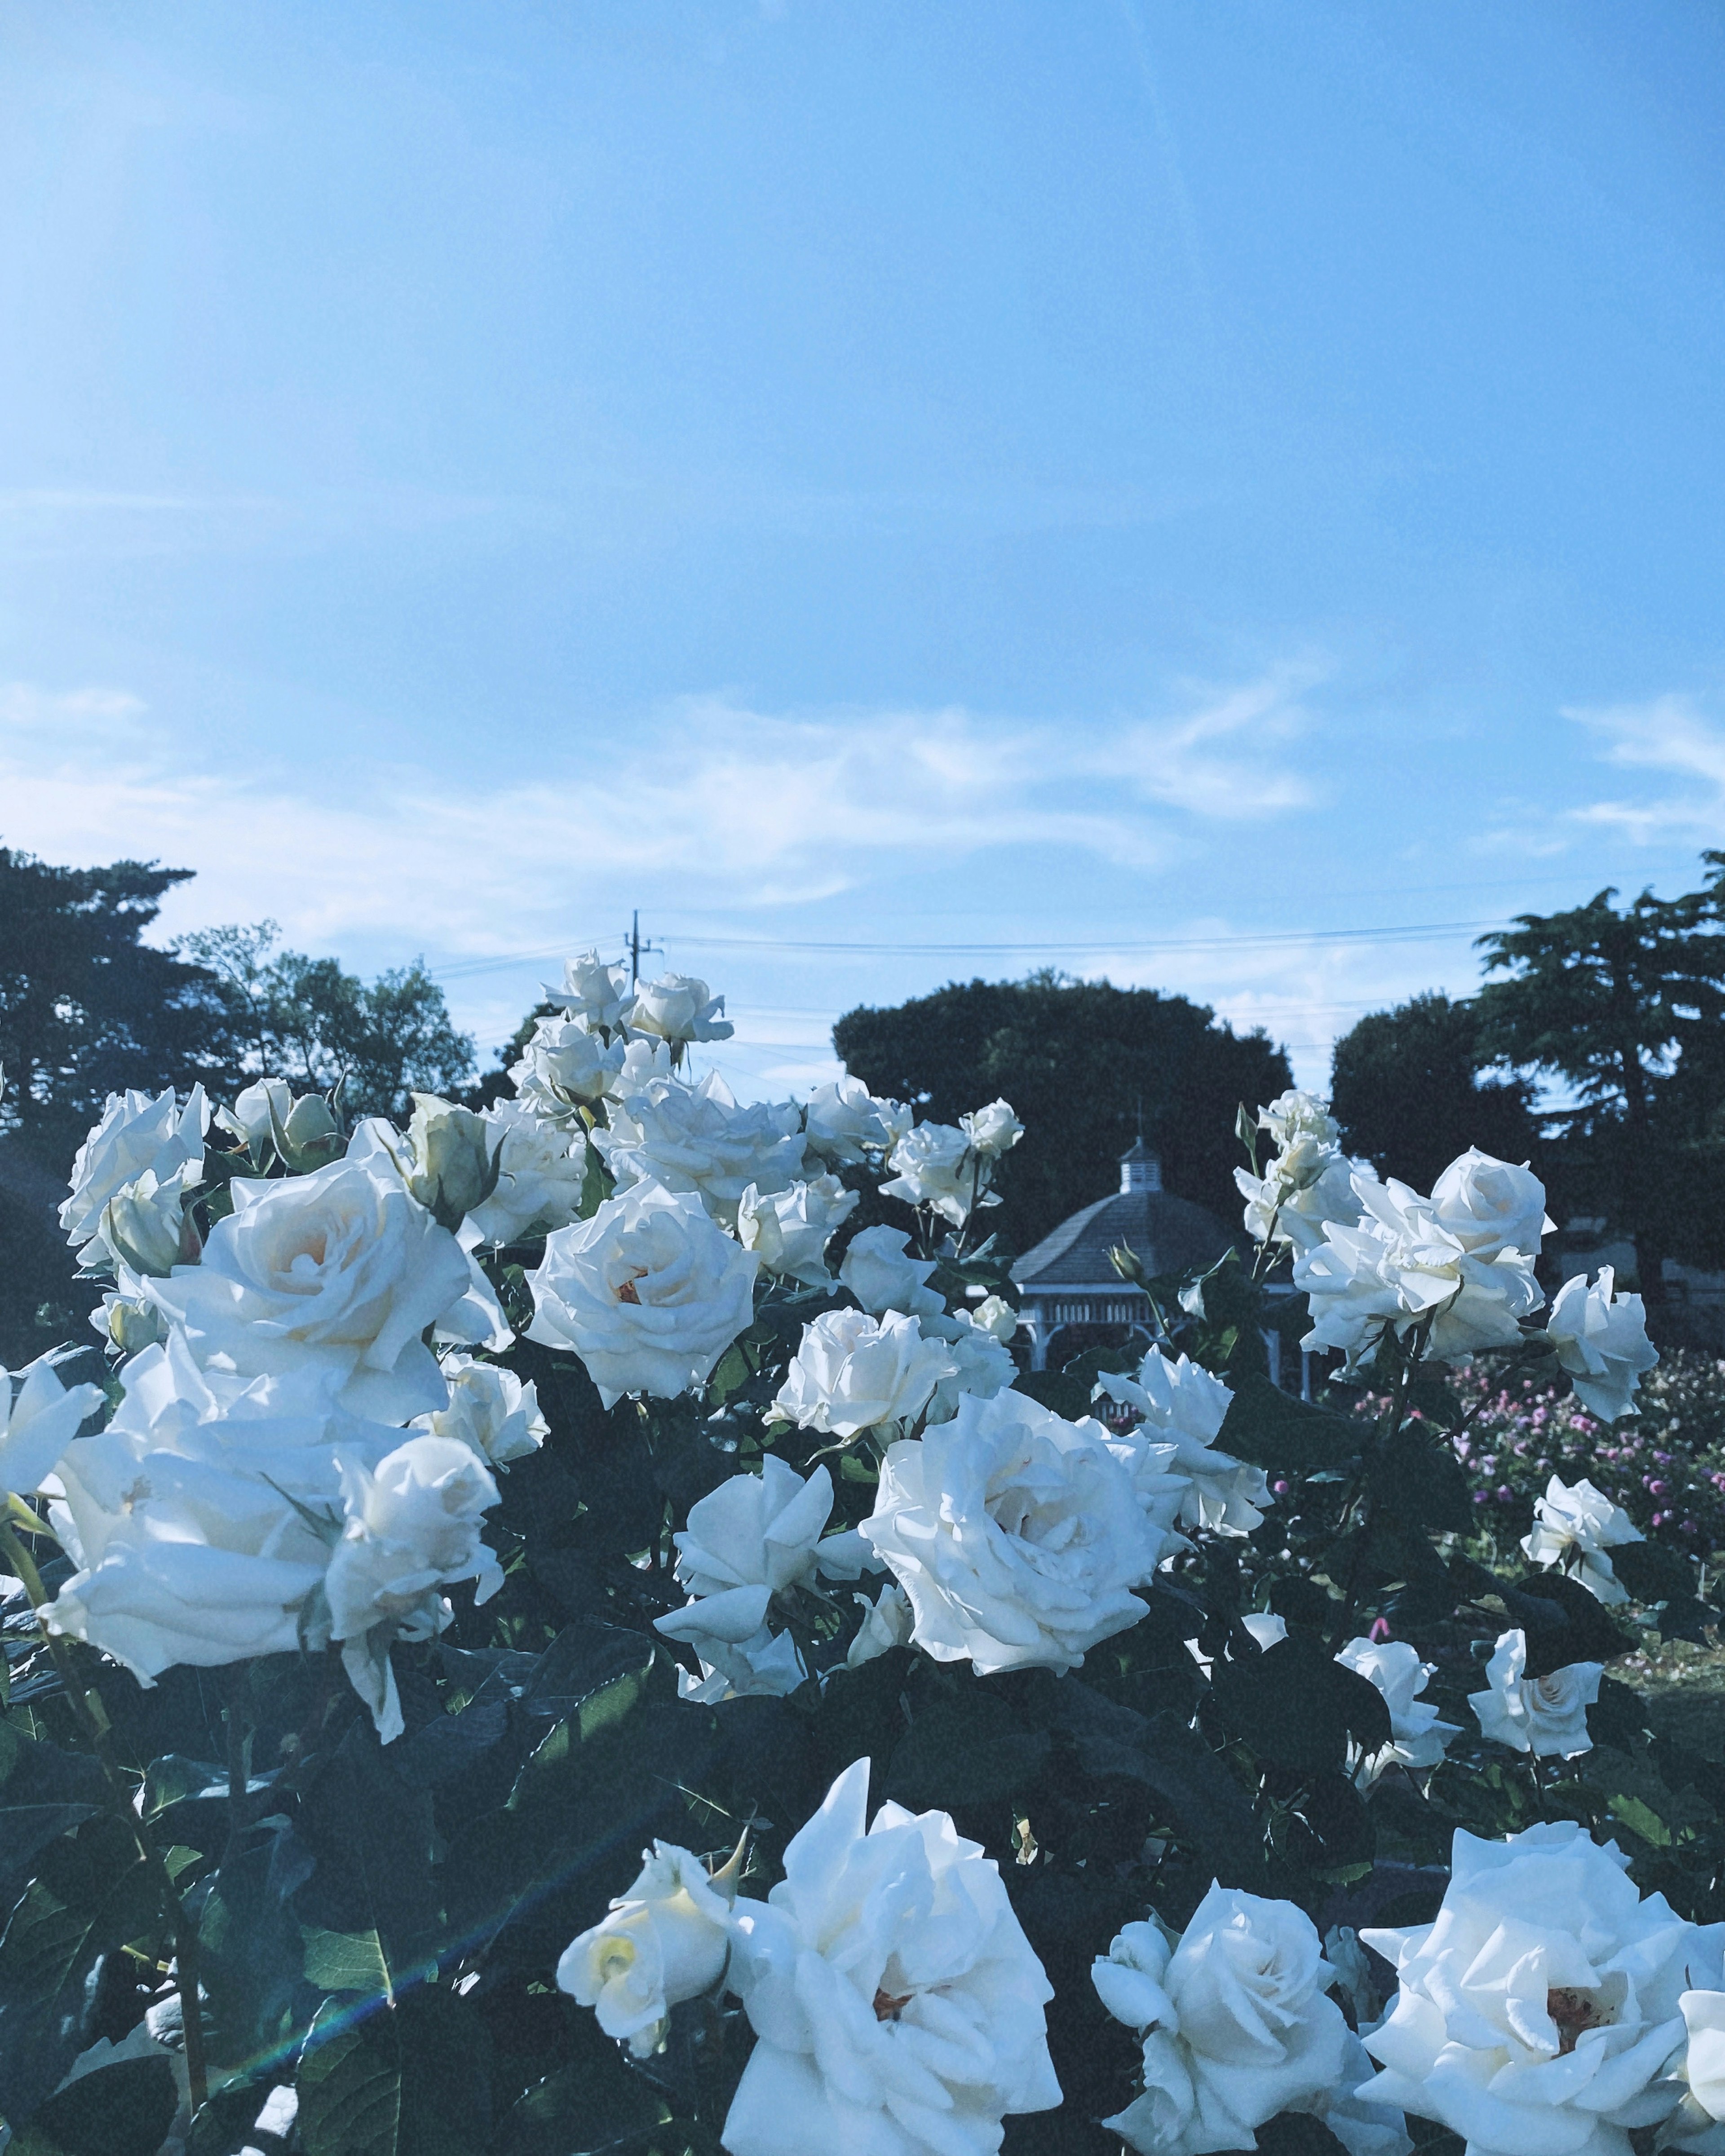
point(1406, 1087)
point(1078, 1059)
point(1624, 1005)
point(312, 1022)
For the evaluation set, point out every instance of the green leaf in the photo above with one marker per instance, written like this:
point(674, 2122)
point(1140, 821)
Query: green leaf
point(409, 2079)
point(1421, 1478)
point(1297, 2133)
point(1272, 1428)
point(1294, 1705)
point(965, 1747)
point(122, 2110)
point(1654, 1573)
point(595, 2102)
point(346, 1961)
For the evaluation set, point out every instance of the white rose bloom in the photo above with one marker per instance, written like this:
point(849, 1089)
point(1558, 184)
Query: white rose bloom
point(644, 1060)
point(981, 1365)
point(888, 1621)
point(444, 1155)
point(138, 1134)
point(1417, 1738)
point(490, 1410)
point(788, 1230)
point(124, 1319)
point(593, 991)
point(678, 1007)
point(1703, 2063)
point(259, 1110)
point(1238, 2026)
point(766, 1665)
point(1574, 1528)
point(1017, 1536)
point(845, 1123)
point(992, 1131)
point(1307, 1182)
point(1544, 1716)
point(1491, 1207)
point(1296, 1115)
point(1183, 1407)
point(881, 1274)
point(996, 1315)
point(565, 1065)
point(144, 1227)
point(1537, 2015)
point(1401, 1269)
point(413, 1525)
point(755, 1537)
point(897, 2005)
point(194, 1518)
point(665, 1941)
point(853, 1372)
point(1601, 1340)
point(696, 1138)
point(38, 1422)
point(540, 1165)
point(648, 1293)
point(933, 1165)
point(340, 1271)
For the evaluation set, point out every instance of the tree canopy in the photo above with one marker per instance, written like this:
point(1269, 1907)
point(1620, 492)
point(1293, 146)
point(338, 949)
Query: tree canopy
point(1623, 1006)
point(1406, 1088)
point(1081, 1061)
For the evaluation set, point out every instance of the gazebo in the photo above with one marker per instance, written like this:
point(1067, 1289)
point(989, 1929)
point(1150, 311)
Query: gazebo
point(1067, 1281)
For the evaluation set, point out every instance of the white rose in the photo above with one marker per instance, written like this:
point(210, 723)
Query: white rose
point(788, 1230)
point(340, 1271)
point(1537, 2015)
point(199, 1521)
point(138, 1134)
point(564, 1065)
point(648, 1293)
point(933, 1165)
point(1017, 1536)
point(992, 1131)
point(696, 1137)
point(1601, 1340)
point(981, 1364)
point(1704, 2067)
point(665, 1941)
point(644, 1060)
point(445, 1157)
point(845, 1123)
point(413, 1525)
point(38, 1422)
point(678, 1007)
point(881, 1274)
point(1545, 1716)
point(1183, 1407)
point(259, 1109)
point(490, 1410)
point(1490, 1206)
point(766, 1665)
point(1401, 1270)
point(145, 1229)
point(853, 1372)
point(1417, 1738)
point(597, 992)
point(756, 1536)
point(123, 1319)
point(1574, 1528)
point(1239, 2026)
point(897, 2006)
point(996, 1315)
point(1296, 1115)
point(541, 1165)
point(888, 1621)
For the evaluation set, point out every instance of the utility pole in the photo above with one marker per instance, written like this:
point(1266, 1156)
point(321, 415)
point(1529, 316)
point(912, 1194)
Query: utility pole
point(634, 947)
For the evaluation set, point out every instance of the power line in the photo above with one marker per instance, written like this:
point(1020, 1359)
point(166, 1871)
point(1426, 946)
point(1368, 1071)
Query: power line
point(1104, 945)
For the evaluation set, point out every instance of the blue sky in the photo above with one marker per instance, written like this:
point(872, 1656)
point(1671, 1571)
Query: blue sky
point(1177, 491)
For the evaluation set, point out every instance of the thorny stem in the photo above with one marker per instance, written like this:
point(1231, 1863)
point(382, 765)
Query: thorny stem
point(92, 1720)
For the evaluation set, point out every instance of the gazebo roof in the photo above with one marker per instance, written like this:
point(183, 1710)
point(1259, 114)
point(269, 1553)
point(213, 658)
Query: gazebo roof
point(1168, 1234)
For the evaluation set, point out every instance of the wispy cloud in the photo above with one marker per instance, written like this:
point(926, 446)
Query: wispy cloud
point(1670, 734)
point(731, 806)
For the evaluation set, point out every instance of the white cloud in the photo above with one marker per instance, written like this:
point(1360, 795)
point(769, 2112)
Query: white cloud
point(1670, 734)
point(726, 805)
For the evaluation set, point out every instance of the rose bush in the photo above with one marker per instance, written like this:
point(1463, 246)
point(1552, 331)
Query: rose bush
point(447, 1514)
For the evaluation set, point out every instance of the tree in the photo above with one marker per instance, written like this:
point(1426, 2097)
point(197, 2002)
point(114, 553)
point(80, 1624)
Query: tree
point(1405, 1088)
point(1625, 1007)
point(310, 1021)
point(87, 1007)
point(1081, 1061)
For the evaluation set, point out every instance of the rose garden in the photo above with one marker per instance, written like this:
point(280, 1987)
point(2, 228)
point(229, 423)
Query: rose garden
point(538, 1632)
